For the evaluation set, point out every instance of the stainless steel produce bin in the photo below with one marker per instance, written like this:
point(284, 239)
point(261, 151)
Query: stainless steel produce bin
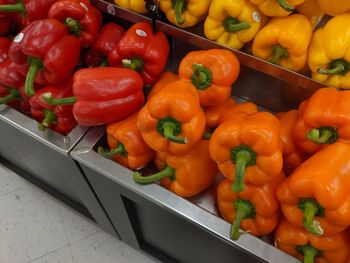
point(154, 220)
point(43, 158)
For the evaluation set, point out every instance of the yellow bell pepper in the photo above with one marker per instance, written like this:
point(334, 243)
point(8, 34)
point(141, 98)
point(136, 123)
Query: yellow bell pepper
point(334, 7)
point(137, 6)
point(277, 8)
point(233, 22)
point(311, 10)
point(185, 13)
point(329, 56)
point(284, 41)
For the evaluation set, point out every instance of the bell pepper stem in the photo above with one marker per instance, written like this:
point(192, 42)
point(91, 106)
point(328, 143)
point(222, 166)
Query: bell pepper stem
point(242, 158)
point(74, 26)
point(324, 135)
point(18, 7)
point(120, 149)
point(13, 95)
point(244, 209)
point(169, 129)
point(34, 68)
point(310, 209)
point(178, 9)
point(284, 4)
point(202, 77)
point(338, 68)
point(278, 53)
point(309, 252)
point(104, 63)
point(167, 172)
point(50, 117)
point(134, 64)
point(233, 25)
point(49, 100)
point(207, 136)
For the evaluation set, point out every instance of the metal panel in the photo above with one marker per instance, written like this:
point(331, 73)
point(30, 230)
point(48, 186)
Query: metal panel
point(152, 216)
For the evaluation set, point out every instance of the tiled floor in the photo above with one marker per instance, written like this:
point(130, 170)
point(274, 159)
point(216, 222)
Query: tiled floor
point(35, 228)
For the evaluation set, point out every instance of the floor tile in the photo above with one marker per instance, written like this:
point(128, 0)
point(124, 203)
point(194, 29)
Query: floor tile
point(104, 248)
point(30, 225)
point(59, 256)
point(9, 181)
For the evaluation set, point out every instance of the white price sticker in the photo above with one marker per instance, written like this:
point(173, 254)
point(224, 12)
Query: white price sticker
point(110, 10)
point(18, 38)
point(256, 16)
point(84, 6)
point(141, 33)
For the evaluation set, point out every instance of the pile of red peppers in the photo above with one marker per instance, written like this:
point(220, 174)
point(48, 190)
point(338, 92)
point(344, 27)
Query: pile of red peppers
point(63, 67)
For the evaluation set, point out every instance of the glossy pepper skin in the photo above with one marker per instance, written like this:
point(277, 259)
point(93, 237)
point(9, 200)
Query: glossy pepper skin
point(137, 6)
point(212, 73)
point(233, 22)
point(28, 10)
point(107, 39)
point(4, 47)
point(293, 156)
point(142, 50)
point(127, 145)
point(328, 53)
point(334, 8)
point(277, 8)
point(310, 248)
point(275, 44)
point(9, 74)
point(185, 13)
point(316, 195)
point(103, 95)
point(186, 175)
point(218, 114)
point(172, 120)
point(59, 118)
point(166, 78)
point(82, 19)
point(255, 210)
point(323, 120)
point(45, 53)
point(247, 149)
point(311, 10)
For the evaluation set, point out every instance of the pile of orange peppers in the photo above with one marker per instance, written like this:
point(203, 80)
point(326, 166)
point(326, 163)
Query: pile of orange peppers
point(285, 173)
point(284, 32)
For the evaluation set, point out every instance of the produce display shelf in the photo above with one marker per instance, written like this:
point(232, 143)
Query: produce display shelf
point(42, 157)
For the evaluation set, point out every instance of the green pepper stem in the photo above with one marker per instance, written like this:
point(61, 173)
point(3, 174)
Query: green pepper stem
point(13, 95)
point(136, 64)
point(35, 66)
point(278, 53)
point(74, 26)
point(286, 6)
point(18, 7)
point(324, 135)
point(111, 153)
point(50, 117)
point(244, 209)
point(104, 63)
point(242, 158)
point(310, 224)
point(337, 70)
point(178, 9)
point(207, 136)
point(202, 77)
point(233, 25)
point(169, 129)
point(309, 252)
point(49, 100)
point(167, 172)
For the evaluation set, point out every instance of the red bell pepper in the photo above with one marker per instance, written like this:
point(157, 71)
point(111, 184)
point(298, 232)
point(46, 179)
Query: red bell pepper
point(108, 38)
point(103, 95)
point(28, 10)
point(82, 19)
point(4, 47)
point(6, 20)
point(142, 50)
point(15, 98)
point(9, 74)
point(59, 118)
point(45, 52)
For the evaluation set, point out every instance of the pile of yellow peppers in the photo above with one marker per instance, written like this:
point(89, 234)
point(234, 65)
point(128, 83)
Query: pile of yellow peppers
point(281, 31)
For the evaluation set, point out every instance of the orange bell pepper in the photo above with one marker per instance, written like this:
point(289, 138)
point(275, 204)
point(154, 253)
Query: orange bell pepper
point(172, 119)
point(166, 78)
point(127, 146)
point(324, 119)
point(310, 248)
point(247, 149)
point(218, 114)
point(186, 175)
point(212, 73)
point(316, 196)
point(293, 156)
point(255, 209)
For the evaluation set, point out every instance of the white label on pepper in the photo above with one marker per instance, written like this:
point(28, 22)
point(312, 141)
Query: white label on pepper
point(84, 6)
point(141, 33)
point(18, 38)
point(110, 10)
point(256, 17)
